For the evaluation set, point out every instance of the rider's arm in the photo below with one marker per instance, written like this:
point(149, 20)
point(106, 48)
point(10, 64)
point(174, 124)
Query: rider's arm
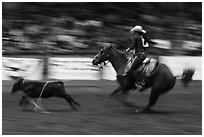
point(134, 44)
point(137, 42)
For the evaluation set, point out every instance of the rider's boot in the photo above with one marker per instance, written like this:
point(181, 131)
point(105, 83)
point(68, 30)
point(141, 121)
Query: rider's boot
point(126, 73)
point(140, 84)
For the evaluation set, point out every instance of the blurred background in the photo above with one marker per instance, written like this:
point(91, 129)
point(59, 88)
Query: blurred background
point(84, 28)
point(57, 41)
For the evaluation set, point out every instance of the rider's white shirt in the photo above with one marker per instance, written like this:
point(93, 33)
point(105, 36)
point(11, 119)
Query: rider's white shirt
point(146, 44)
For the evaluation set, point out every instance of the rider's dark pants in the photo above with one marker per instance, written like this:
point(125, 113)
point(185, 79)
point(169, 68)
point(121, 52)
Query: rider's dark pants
point(140, 57)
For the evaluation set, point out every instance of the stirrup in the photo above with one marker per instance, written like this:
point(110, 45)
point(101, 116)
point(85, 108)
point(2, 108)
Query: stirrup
point(141, 83)
point(138, 85)
point(125, 74)
point(139, 88)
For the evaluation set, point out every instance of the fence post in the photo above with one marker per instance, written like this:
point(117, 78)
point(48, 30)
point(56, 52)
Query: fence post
point(45, 68)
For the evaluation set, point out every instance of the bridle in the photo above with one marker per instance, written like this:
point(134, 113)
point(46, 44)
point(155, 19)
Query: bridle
point(108, 61)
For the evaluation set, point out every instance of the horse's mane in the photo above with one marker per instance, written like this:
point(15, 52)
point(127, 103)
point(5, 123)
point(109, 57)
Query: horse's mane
point(20, 80)
point(120, 52)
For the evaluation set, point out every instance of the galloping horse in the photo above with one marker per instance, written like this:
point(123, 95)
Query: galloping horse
point(161, 81)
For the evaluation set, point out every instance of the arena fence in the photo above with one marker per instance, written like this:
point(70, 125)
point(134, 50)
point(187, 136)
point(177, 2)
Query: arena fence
point(81, 68)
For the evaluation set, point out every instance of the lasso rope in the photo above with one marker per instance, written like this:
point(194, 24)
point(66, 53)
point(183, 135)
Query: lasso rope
point(38, 101)
point(42, 91)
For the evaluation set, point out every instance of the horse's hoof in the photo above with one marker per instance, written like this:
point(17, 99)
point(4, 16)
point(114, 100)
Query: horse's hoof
point(138, 110)
point(44, 112)
point(142, 110)
point(78, 104)
point(74, 109)
point(130, 105)
point(110, 103)
point(107, 101)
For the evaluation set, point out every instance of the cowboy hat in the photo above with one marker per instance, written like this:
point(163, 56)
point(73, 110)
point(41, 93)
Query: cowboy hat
point(137, 29)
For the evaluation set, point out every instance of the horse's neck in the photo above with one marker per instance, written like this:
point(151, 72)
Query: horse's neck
point(118, 60)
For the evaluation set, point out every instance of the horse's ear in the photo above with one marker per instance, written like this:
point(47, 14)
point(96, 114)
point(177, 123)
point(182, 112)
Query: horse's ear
point(20, 80)
point(110, 47)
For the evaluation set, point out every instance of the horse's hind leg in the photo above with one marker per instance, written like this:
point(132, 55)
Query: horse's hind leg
point(154, 95)
point(116, 90)
point(152, 99)
point(122, 98)
point(158, 91)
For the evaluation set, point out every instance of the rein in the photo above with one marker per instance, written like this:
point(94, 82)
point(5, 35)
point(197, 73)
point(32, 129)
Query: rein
point(118, 56)
point(105, 64)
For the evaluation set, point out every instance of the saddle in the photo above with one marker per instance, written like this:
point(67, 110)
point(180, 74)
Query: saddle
point(147, 67)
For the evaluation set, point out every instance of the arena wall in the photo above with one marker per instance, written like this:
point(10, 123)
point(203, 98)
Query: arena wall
point(81, 68)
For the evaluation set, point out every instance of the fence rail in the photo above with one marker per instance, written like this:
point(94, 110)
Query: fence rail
point(80, 67)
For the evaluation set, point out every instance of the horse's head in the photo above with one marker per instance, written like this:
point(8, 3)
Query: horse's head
point(102, 56)
point(17, 85)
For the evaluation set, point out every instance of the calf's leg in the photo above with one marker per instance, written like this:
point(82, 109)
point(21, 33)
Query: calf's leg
point(69, 99)
point(32, 102)
point(23, 101)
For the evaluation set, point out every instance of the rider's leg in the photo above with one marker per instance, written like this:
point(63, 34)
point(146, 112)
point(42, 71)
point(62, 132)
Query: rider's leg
point(136, 63)
point(141, 78)
point(139, 58)
point(117, 90)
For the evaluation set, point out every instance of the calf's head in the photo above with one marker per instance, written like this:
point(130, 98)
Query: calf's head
point(17, 85)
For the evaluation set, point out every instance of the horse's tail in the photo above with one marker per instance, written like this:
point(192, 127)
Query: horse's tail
point(186, 76)
point(62, 83)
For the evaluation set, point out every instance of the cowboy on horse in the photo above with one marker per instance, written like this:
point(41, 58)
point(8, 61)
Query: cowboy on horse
point(139, 45)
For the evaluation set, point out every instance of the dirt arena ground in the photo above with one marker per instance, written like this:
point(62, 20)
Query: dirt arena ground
point(178, 112)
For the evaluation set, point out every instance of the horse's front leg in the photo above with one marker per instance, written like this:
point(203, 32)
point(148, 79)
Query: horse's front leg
point(122, 98)
point(109, 100)
point(116, 90)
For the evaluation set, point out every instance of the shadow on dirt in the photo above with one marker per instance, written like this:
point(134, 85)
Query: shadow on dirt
point(52, 110)
point(131, 110)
